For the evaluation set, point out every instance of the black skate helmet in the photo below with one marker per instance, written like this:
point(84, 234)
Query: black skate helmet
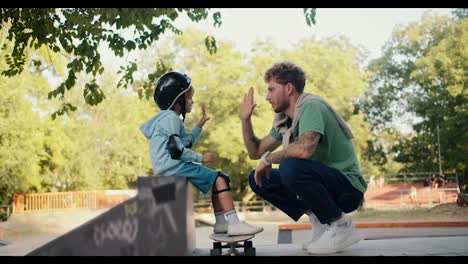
point(169, 88)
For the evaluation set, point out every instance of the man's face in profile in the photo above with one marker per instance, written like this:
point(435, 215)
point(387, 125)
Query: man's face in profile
point(277, 96)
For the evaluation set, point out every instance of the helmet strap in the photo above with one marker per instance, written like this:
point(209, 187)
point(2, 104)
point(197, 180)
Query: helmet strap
point(183, 109)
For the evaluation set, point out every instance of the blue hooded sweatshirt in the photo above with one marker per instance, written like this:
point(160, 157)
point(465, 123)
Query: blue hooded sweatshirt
point(157, 130)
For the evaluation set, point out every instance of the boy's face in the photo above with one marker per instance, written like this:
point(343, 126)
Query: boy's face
point(189, 100)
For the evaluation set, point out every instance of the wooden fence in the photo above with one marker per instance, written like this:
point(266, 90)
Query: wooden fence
point(69, 200)
point(391, 195)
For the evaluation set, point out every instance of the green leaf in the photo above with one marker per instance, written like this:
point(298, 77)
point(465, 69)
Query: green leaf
point(217, 19)
point(310, 16)
point(210, 43)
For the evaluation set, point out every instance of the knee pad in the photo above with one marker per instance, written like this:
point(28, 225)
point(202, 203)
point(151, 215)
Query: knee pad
point(226, 178)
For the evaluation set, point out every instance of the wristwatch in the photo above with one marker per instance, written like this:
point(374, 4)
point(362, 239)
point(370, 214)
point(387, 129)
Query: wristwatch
point(264, 158)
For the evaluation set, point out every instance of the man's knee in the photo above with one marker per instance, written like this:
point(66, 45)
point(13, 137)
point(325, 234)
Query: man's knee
point(252, 183)
point(289, 170)
point(292, 169)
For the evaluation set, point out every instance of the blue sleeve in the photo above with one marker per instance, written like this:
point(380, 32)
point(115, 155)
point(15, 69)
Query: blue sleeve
point(175, 127)
point(188, 139)
point(187, 153)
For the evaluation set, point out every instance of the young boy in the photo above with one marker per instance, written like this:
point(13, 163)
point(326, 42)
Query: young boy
point(171, 154)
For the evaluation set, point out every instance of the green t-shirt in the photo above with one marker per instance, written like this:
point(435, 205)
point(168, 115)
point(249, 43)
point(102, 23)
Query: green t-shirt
point(334, 149)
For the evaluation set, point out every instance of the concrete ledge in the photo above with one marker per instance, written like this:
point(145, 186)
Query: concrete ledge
point(383, 224)
point(287, 232)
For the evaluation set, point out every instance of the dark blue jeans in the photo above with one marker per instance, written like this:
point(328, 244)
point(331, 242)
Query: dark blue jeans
point(300, 185)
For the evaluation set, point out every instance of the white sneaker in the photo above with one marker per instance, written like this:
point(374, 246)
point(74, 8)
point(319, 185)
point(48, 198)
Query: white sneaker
point(221, 228)
point(317, 230)
point(242, 228)
point(337, 236)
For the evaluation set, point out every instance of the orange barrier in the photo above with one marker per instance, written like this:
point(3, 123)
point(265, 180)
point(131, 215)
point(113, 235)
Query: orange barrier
point(68, 200)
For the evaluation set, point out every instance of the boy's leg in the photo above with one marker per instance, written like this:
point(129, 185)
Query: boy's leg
point(274, 191)
point(220, 219)
point(222, 204)
point(205, 179)
point(223, 197)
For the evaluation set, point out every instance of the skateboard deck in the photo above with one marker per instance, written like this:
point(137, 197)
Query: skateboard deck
point(232, 243)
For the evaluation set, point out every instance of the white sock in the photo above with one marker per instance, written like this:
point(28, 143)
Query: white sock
point(231, 216)
point(220, 219)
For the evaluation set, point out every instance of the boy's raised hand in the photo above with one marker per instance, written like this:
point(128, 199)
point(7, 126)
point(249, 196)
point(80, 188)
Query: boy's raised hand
point(204, 117)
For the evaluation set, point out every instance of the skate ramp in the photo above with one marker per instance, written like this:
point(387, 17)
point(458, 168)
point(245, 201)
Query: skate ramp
point(157, 222)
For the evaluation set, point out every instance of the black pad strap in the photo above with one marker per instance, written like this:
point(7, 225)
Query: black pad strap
point(220, 191)
point(172, 147)
point(226, 178)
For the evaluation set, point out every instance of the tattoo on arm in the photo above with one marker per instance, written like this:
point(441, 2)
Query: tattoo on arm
point(277, 157)
point(303, 148)
point(306, 144)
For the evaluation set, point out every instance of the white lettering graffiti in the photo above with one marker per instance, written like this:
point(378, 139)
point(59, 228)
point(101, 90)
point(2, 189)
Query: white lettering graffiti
point(125, 230)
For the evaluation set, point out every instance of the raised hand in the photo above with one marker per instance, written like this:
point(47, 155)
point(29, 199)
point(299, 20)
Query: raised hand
point(204, 117)
point(247, 105)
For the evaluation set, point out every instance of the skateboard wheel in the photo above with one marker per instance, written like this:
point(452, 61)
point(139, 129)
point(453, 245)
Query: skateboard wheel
point(217, 245)
point(250, 252)
point(215, 252)
point(247, 244)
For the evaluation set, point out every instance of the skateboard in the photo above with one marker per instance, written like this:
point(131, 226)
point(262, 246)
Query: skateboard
point(232, 243)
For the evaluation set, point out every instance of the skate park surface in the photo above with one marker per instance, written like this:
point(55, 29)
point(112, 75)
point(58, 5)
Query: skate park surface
point(161, 220)
point(24, 233)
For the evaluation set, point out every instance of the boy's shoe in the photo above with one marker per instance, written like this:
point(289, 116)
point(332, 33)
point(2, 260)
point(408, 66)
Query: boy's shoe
point(317, 230)
point(242, 228)
point(337, 236)
point(221, 228)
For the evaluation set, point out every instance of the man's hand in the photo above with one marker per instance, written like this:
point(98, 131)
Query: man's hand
point(247, 105)
point(259, 171)
point(208, 157)
point(204, 117)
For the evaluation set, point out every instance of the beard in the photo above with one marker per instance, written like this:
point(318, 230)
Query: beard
point(281, 107)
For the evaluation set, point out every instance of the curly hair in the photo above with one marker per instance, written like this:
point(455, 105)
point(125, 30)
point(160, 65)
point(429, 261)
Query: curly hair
point(287, 72)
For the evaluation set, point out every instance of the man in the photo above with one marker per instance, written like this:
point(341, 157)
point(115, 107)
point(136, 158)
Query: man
point(319, 174)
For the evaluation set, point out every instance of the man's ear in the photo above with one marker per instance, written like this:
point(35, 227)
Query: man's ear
point(289, 88)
